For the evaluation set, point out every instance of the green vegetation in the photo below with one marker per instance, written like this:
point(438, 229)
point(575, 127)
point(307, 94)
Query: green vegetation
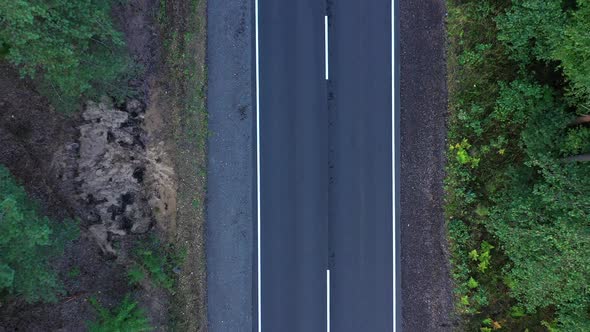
point(126, 317)
point(518, 189)
point(184, 30)
point(28, 242)
point(74, 272)
point(156, 261)
point(71, 45)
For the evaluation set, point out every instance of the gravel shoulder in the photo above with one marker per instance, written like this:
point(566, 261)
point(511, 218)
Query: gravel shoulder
point(230, 204)
point(426, 282)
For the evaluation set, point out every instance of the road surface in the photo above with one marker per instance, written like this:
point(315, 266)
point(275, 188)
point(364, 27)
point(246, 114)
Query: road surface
point(360, 197)
point(325, 177)
point(230, 171)
point(293, 128)
point(319, 188)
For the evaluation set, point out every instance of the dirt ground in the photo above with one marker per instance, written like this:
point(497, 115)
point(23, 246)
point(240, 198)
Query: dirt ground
point(113, 167)
point(33, 137)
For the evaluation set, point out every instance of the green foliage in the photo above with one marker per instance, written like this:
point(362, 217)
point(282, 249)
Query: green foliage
point(543, 229)
point(135, 275)
point(517, 101)
point(156, 261)
point(126, 317)
point(530, 27)
point(577, 141)
point(472, 283)
point(573, 52)
point(74, 272)
point(475, 56)
point(519, 72)
point(28, 242)
point(484, 257)
point(542, 30)
point(462, 153)
point(71, 44)
point(517, 312)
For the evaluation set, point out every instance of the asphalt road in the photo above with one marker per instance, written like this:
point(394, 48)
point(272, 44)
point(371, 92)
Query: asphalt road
point(293, 165)
point(325, 167)
point(360, 198)
point(325, 158)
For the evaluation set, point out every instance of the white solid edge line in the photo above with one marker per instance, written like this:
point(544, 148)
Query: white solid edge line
point(328, 300)
point(258, 171)
point(326, 44)
point(393, 158)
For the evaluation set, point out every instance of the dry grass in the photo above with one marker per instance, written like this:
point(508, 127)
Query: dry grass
point(183, 26)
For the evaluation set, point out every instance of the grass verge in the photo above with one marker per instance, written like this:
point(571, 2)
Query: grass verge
point(184, 43)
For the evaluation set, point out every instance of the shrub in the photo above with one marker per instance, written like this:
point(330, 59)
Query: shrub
point(156, 261)
point(126, 317)
point(71, 44)
point(135, 275)
point(28, 242)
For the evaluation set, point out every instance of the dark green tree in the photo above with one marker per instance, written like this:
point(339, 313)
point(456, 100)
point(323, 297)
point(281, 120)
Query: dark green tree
point(28, 242)
point(71, 46)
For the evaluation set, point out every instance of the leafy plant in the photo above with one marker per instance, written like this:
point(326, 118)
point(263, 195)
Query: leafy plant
point(462, 154)
point(472, 283)
point(517, 312)
point(156, 261)
point(28, 243)
point(74, 272)
point(126, 317)
point(135, 275)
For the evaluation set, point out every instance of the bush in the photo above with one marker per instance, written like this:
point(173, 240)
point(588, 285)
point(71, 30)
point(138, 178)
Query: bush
point(27, 244)
point(71, 44)
point(156, 261)
point(126, 317)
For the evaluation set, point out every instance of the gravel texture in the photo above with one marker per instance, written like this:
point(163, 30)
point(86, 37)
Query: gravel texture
point(426, 284)
point(231, 166)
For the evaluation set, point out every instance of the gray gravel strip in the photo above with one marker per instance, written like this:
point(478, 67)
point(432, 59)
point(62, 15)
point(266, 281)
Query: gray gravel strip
point(231, 166)
point(426, 283)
